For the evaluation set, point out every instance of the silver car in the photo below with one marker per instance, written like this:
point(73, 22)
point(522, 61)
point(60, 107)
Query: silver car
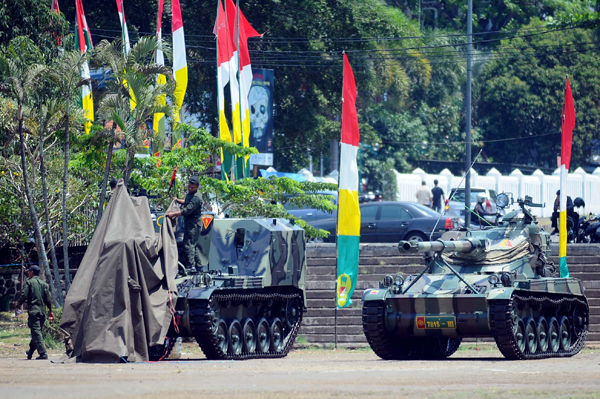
point(456, 206)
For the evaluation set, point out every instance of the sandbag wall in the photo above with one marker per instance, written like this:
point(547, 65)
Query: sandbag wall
point(378, 260)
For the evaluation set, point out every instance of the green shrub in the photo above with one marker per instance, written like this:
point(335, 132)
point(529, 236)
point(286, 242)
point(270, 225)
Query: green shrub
point(53, 337)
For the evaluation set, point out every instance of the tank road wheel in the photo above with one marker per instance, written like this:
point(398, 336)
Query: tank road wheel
point(213, 314)
point(542, 334)
point(234, 334)
point(221, 334)
point(249, 336)
point(263, 336)
point(564, 333)
point(553, 335)
point(293, 311)
point(580, 320)
point(520, 337)
point(530, 335)
point(276, 335)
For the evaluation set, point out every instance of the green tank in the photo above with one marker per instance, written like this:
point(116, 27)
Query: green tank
point(248, 298)
point(496, 282)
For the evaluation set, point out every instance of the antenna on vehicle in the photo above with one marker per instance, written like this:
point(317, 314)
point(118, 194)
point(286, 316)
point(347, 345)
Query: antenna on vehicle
point(452, 196)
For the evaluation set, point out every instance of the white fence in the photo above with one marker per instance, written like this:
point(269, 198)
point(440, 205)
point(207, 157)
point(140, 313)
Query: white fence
point(542, 188)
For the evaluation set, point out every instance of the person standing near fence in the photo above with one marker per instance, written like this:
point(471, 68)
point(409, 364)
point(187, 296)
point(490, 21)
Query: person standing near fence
point(424, 195)
point(438, 194)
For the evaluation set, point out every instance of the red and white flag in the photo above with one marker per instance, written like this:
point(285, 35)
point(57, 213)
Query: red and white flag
point(241, 30)
point(124, 30)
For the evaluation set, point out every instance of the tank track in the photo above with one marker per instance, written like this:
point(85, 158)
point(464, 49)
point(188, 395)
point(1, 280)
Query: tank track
point(202, 326)
point(390, 347)
point(502, 324)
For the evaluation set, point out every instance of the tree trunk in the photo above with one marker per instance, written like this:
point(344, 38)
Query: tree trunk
point(104, 182)
point(65, 214)
point(39, 242)
point(59, 292)
point(128, 166)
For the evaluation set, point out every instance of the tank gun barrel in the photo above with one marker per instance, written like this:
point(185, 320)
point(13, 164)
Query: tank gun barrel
point(441, 246)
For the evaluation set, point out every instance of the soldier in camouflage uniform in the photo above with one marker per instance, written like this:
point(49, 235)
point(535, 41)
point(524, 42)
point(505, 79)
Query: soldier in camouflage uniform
point(191, 212)
point(37, 294)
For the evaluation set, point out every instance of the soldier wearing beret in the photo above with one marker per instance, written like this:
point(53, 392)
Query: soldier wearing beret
point(191, 212)
point(37, 294)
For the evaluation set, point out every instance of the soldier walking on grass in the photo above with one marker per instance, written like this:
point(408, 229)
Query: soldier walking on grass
point(37, 294)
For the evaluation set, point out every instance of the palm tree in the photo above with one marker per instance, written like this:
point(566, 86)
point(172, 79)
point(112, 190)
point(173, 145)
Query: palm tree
point(18, 81)
point(49, 117)
point(134, 91)
point(107, 135)
point(66, 72)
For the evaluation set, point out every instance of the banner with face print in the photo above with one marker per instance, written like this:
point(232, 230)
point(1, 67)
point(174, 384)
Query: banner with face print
point(260, 100)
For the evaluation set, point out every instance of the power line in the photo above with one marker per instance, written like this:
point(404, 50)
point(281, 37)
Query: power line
point(473, 142)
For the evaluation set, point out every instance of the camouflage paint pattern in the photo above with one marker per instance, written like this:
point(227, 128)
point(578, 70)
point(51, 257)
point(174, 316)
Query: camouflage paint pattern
point(252, 253)
point(516, 251)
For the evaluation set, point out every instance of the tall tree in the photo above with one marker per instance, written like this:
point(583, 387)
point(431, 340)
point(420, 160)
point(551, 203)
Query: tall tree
point(18, 81)
point(66, 72)
point(48, 117)
point(522, 93)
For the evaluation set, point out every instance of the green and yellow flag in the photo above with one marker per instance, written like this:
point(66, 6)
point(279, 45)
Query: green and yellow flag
point(348, 228)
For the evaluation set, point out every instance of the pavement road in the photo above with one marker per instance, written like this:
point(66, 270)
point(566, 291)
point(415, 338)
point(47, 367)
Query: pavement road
point(310, 374)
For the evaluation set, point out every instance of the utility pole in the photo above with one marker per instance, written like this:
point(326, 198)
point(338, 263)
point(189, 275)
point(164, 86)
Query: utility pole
point(468, 125)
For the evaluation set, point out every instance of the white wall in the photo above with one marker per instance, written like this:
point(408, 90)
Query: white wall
point(542, 188)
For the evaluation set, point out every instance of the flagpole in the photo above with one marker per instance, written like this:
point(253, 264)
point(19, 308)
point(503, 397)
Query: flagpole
point(337, 214)
point(232, 133)
point(123, 28)
point(239, 79)
point(218, 89)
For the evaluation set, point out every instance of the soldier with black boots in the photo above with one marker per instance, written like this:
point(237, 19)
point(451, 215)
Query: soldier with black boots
point(570, 212)
point(191, 212)
point(37, 294)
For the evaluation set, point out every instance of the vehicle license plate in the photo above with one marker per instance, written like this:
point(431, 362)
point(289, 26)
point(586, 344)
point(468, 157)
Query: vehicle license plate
point(435, 322)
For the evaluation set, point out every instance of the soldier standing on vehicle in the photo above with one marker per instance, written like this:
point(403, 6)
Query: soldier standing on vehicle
point(37, 294)
point(191, 212)
point(424, 195)
point(438, 194)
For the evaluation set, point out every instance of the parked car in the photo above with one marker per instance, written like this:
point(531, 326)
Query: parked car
point(311, 215)
point(394, 221)
point(456, 206)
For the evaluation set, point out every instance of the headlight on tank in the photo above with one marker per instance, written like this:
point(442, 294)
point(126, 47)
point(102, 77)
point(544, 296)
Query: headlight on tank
point(387, 281)
point(398, 285)
point(493, 280)
point(506, 279)
point(399, 281)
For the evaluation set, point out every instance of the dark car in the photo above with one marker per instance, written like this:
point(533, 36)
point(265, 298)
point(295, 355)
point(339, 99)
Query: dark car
point(311, 215)
point(394, 221)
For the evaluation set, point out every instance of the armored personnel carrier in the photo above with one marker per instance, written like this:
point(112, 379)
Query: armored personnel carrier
point(247, 299)
point(496, 282)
